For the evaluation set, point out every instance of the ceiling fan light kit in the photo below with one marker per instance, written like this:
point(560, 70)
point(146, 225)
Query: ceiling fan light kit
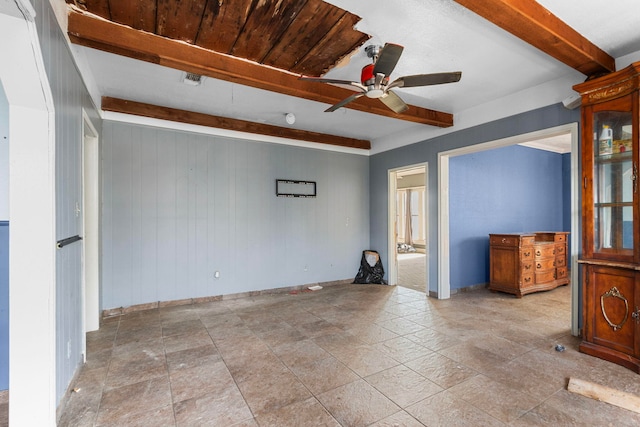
point(374, 79)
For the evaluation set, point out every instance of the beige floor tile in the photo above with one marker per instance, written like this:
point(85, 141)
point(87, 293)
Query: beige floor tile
point(402, 349)
point(371, 333)
point(338, 343)
point(447, 410)
point(357, 404)
point(225, 407)
point(139, 349)
point(399, 419)
point(473, 357)
point(138, 335)
point(182, 327)
point(123, 404)
point(365, 360)
point(534, 383)
point(81, 410)
point(401, 326)
point(304, 413)
point(441, 370)
point(324, 374)
point(284, 335)
point(498, 400)
point(153, 417)
point(192, 357)
point(402, 385)
point(433, 339)
point(187, 339)
point(198, 380)
point(270, 391)
point(250, 365)
point(300, 352)
point(124, 371)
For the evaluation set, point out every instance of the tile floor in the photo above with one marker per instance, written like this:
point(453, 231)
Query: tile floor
point(412, 271)
point(4, 408)
point(347, 355)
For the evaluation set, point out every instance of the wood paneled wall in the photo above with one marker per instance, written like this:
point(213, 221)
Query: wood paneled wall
point(70, 96)
point(179, 206)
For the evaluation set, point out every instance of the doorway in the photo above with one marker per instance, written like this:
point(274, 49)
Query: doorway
point(571, 131)
point(408, 214)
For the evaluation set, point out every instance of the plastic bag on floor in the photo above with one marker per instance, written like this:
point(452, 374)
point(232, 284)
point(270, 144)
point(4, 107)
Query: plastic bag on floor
point(371, 270)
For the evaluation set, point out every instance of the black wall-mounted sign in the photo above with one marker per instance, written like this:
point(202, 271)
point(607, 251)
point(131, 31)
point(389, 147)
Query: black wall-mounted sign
point(291, 188)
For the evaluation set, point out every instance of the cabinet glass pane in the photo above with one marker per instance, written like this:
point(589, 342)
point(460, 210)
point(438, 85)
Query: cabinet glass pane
point(613, 182)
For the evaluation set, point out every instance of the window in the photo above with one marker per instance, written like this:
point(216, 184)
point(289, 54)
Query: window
point(410, 210)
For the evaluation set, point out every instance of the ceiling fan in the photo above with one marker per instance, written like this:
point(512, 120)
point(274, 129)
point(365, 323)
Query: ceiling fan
point(374, 80)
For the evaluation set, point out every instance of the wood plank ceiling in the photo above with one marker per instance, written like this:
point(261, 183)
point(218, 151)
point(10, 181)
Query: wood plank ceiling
point(285, 38)
point(301, 36)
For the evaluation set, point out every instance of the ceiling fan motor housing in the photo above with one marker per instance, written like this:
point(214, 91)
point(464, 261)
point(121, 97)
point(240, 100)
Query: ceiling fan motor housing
point(368, 79)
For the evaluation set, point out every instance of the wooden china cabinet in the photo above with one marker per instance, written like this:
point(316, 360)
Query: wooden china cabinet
point(611, 217)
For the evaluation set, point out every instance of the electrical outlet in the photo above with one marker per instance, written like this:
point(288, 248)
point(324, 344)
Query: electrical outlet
point(216, 275)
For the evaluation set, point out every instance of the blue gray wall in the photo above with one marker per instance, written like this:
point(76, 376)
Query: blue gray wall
point(70, 97)
point(180, 206)
point(4, 156)
point(4, 305)
point(506, 190)
point(4, 240)
point(566, 194)
point(427, 151)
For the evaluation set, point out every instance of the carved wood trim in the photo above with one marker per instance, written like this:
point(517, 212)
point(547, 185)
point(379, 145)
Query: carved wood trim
point(611, 86)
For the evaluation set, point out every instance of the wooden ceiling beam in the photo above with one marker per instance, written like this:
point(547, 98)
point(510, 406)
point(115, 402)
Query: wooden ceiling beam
point(89, 30)
point(531, 22)
point(182, 116)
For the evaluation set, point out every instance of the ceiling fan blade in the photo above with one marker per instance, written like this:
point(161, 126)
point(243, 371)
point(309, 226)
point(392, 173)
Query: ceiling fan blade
point(394, 102)
point(387, 59)
point(426, 79)
point(343, 102)
point(334, 81)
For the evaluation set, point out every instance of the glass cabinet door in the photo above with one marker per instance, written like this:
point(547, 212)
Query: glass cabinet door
point(614, 182)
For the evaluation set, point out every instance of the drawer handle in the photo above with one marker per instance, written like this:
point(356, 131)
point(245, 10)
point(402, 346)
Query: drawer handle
point(636, 315)
point(527, 279)
point(538, 253)
point(539, 266)
point(614, 293)
point(504, 240)
point(527, 254)
point(528, 266)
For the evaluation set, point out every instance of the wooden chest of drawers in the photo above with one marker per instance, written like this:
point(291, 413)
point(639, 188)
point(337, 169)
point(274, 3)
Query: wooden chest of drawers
point(521, 263)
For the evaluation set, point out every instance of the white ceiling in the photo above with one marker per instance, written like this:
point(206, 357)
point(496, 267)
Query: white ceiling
point(502, 75)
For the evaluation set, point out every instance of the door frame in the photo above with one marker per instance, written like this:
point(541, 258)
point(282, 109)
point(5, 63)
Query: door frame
point(90, 228)
point(392, 261)
point(444, 285)
point(32, 216)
